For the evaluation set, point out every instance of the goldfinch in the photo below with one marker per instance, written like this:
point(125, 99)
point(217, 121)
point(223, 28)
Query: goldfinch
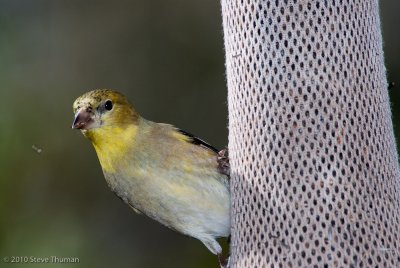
point(158, 169)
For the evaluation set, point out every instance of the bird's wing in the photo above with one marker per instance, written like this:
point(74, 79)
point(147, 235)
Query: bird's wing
point(193, 139)
point(222, 158)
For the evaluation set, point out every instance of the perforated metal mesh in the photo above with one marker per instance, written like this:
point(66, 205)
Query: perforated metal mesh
point(315, 177)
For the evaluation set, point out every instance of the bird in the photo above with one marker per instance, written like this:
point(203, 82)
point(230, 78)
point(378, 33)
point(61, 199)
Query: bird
point(157, 169)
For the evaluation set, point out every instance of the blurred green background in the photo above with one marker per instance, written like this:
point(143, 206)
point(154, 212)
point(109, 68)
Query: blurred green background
point(168, 58)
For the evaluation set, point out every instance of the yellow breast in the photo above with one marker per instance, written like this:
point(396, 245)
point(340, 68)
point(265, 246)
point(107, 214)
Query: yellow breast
point(112, 144)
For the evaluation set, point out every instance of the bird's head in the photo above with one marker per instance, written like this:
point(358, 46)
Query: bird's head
point(103, 108)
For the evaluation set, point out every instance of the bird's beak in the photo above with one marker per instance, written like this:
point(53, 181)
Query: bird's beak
point(82, 119)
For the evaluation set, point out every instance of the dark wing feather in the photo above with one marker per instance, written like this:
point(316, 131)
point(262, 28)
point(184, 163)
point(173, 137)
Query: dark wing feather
point(222, 159)
point(197, 141)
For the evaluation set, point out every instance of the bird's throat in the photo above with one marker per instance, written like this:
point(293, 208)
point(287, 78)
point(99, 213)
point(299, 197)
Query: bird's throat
point(112, 144)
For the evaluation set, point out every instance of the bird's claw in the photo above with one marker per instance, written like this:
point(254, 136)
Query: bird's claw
point(223, 162)
point(223, 263)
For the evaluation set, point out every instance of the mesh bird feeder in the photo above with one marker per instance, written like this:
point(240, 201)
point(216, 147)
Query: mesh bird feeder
point(315, 175)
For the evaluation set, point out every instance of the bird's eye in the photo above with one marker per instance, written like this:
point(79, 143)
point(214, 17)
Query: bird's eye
point(108, 105)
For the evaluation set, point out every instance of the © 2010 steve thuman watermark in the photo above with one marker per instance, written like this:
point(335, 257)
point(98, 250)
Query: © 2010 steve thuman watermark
point(36, 259)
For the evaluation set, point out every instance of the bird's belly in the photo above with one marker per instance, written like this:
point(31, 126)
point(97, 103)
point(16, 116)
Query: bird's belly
point(188, 205)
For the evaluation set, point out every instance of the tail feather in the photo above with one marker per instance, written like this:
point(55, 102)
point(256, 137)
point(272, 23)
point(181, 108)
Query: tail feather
point(212, 245)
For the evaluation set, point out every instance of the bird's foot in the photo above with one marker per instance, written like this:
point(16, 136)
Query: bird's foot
point(223, 263)
point(223, 162)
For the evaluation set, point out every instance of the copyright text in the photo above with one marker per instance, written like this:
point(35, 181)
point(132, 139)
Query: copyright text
point(35, 259)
